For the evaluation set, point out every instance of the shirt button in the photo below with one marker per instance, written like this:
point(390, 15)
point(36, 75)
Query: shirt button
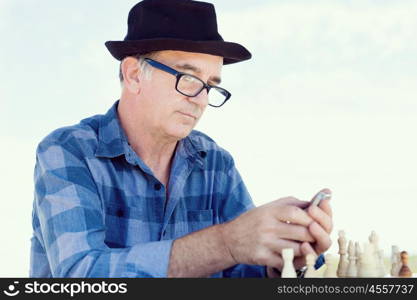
point(203, 154)
point(157, 186)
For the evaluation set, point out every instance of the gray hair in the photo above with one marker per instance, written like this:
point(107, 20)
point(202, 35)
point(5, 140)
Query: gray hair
point(143, 65)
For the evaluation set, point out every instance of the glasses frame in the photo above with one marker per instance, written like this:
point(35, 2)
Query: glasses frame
point(178, 76)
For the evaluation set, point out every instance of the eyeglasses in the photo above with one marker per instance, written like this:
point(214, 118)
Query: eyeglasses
point(191, 86)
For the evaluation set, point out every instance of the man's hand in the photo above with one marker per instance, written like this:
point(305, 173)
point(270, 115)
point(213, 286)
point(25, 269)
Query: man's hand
point(258, 236)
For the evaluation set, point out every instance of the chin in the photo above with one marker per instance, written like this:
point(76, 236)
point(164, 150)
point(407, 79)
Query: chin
point(180, 132)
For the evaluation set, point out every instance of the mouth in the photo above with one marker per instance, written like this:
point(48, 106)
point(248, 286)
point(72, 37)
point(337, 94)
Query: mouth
point(188, 115)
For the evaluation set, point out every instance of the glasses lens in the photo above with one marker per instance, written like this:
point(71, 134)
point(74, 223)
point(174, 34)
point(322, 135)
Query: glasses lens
point(190, 85)
point(217, 96)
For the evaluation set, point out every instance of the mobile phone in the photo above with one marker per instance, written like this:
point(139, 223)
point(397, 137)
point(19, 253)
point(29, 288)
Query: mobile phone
point(319, 197)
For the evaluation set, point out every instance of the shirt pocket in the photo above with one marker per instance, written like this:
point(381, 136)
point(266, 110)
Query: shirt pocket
point(124, 226)
point(199, 219)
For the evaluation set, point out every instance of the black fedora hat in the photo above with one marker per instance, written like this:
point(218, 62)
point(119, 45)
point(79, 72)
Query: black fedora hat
point(183, 25)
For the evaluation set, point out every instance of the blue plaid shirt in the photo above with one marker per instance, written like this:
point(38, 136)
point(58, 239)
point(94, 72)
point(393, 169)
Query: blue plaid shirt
point(100, 212)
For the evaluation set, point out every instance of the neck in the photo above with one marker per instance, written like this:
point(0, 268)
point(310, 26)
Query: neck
point(155, 149)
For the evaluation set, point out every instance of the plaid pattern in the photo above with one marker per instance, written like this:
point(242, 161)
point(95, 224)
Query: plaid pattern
point(100, 212)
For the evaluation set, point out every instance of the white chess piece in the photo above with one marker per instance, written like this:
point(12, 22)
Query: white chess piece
point(320, 271)
point(288, 270)
point(378, 254)
point(331, 263)
point(381, 264)
point(368, 266)
point(399, 264)
point(394, 260)
point(358, 254)
point(311, 271)
point(374, 240)
point(352, 270)
point(343, 263)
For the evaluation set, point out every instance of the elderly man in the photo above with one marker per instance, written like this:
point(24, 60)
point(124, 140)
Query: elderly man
point(138, 193)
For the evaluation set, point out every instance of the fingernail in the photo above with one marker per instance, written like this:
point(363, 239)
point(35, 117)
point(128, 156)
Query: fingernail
point(326, 195)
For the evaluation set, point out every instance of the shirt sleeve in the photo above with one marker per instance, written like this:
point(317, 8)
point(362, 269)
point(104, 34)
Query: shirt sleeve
point(236, 201)
point(69, 222)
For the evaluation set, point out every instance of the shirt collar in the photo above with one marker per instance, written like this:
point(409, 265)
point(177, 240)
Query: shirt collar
point(111, 135)
point(190, 149)
point(112, 140)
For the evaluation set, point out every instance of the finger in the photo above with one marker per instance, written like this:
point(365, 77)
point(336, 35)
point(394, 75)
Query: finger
point(306, 249)
point(294, 232)
point(292, 201)
point(325, 206)
point(293, 214)
point(277, 264)
point(273, 272)
point(273, 260)
point(277, 245)
point(299, 262)
point(323, 241)
point(321, 217)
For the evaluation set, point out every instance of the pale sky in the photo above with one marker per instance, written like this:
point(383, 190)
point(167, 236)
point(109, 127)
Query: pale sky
point(328, 100)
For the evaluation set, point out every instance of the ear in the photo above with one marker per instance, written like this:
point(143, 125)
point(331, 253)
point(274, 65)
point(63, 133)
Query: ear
point(131, 74)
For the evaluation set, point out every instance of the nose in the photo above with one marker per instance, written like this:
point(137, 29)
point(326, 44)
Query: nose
point(201, 99)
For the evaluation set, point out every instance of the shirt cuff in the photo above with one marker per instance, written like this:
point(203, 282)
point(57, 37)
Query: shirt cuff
point(149, 259)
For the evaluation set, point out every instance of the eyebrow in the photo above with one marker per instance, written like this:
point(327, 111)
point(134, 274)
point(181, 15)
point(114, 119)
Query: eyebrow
point(188, 67)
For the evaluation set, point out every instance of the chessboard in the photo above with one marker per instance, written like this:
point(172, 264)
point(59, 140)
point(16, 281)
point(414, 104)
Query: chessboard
point(353, 261)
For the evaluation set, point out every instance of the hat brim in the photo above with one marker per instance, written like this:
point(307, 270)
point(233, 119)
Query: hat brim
point(231, 52)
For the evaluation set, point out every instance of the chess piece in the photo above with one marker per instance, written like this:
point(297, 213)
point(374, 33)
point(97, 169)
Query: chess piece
point(395, 261)
point(320, 271)
point(368, 266)
point(358, 254)
point(381, 264)
point(343, 263)
point(310, 261)
point(399, 263)
point(288, 270)
point(331, 263)
point(374, 240)
point(405, 270)
point(352, 270)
